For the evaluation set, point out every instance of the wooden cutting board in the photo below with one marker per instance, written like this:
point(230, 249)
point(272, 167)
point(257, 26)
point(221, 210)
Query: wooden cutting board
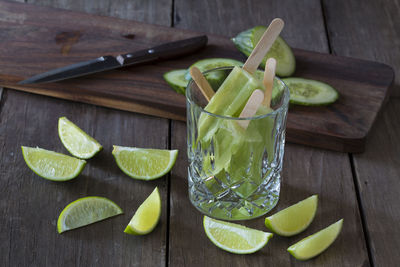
point(35, 39)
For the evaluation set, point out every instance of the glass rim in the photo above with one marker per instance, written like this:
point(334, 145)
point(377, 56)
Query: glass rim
point(286, 95)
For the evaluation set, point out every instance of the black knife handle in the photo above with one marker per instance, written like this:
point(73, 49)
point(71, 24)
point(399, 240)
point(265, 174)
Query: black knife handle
point(164, 51)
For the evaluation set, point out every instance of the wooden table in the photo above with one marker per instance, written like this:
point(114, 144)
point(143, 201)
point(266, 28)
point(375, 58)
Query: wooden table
point(361, 188)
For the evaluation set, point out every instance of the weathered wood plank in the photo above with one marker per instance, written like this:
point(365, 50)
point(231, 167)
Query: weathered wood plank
point(367, 30)
point(306, 171)
point(155, 12)
point(216, 17)
point(378, 171)
point(30, 205)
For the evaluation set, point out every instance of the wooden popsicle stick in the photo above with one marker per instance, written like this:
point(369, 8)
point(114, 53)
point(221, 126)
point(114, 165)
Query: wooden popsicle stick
point(202, 83)
point(268, 80)
point(251, 107)
point(262, 47)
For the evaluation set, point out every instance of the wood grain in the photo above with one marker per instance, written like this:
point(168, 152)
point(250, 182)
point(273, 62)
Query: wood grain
point(30, 205)
point(155, 12)
point(306, 170)
point(342, 126)
point(353, 25)
point(378, 171)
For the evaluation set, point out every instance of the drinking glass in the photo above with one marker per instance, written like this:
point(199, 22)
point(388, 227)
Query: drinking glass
point(234, 171)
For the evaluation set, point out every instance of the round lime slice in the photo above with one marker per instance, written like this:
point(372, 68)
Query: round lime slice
point(85, 211)
point(147, 215)
point(233, 237)
point(52, 165)
point(315, 244)
point(143, 163)
point(76, 141)
point(293, 219)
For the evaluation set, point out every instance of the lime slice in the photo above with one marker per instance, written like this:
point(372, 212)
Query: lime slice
point(315, 244)
point(85, 211)
point(52, 165)
point(76, 141)
point(293, 219)
point(144, 164)
point(147, 215)
point(233, 237)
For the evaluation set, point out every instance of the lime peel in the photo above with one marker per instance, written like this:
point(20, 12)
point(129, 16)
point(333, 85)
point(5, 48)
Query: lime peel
point(147, 215)
point(76, 141)
point(315, 244)
point(233, 237)
point(143, 163)
point(84, 211)
point(294, 219)
point(52, 165)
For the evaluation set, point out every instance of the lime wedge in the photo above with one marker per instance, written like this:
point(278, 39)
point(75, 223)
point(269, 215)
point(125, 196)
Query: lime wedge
point(52, 165)
point(293, 219)
point(147, 215)
point(76, 141)
point(85, 211)
point(233, 237)
point(313, 245)
point(144, 164)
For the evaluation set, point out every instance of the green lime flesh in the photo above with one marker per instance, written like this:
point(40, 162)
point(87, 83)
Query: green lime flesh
point(144, 163)
point(86, 211)
point(147, 215)
point(76, 141)
point(235, 238)
point(52, 165)
point(315, 244)
point(294, 219)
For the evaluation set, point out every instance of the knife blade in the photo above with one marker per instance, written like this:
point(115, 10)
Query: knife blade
point(161, 52)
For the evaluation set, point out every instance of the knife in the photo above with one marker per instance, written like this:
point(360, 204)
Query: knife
point(160, 52)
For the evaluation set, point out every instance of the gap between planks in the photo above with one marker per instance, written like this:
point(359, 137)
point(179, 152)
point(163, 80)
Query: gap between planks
point(361, 209)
